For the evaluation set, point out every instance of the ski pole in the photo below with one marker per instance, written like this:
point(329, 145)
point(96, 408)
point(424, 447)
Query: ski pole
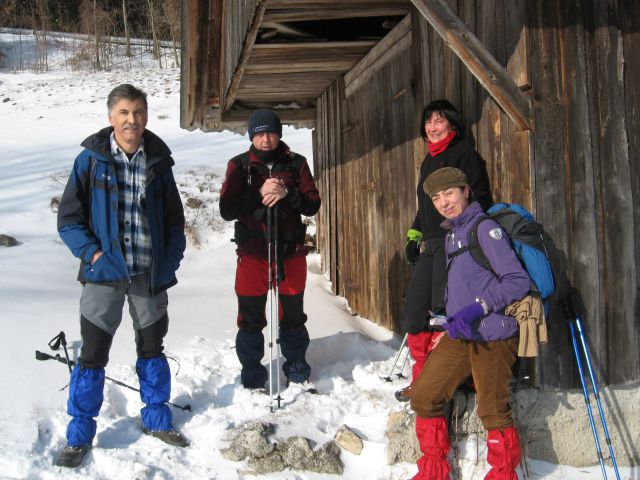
point(596, 392)
point(395, 361)
point(404, 364)
point(277, 297)
point(585, 391)
point(271, 294)
point(70, 363)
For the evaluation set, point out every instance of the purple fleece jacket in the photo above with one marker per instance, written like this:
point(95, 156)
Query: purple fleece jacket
point(467, 280)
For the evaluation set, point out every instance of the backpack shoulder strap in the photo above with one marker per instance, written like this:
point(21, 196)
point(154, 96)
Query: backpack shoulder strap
point(243, 158)
point(474, 248)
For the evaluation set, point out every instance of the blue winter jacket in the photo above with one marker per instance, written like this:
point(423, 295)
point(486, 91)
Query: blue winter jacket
point(88, 213)
point(468, 281)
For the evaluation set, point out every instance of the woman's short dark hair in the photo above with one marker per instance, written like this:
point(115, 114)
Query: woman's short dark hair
point(128, 92)
point(448, 111)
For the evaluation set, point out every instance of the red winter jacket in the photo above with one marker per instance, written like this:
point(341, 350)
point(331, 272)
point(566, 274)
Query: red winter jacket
point(240, 200)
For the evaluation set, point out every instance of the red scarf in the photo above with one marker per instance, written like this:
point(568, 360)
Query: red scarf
point(438, 147)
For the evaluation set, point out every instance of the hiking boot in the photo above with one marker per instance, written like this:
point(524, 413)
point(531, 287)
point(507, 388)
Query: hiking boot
point(403, 395)
point(305, 386)
point(71, 457)
point(172, 437)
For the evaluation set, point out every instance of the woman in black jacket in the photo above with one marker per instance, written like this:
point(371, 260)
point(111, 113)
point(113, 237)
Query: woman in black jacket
point(448, 145)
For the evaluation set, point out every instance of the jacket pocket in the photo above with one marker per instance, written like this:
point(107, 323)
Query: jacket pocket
point(110, 267)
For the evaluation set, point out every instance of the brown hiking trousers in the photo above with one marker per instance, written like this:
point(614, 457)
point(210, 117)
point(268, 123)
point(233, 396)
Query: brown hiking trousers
point(451, 363)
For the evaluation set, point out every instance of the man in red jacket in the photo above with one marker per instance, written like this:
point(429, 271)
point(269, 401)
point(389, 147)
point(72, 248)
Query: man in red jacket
point(269, 181)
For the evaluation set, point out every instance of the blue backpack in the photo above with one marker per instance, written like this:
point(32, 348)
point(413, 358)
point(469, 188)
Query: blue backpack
point(527, 239)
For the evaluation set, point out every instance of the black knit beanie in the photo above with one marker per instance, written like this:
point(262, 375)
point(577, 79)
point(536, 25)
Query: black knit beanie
point(264, 120)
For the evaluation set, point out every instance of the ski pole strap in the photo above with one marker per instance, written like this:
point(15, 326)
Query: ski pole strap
point(54, 343)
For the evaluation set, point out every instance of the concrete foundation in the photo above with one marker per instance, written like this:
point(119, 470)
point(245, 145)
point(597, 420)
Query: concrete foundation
point(553, 426)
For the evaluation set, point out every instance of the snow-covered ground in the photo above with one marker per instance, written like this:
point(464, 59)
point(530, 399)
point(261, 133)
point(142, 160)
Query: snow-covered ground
point(43, 119)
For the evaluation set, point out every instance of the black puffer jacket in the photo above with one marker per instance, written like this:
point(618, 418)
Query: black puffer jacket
point(459, 154)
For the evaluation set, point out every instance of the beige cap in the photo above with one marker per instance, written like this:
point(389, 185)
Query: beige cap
point(444, 178)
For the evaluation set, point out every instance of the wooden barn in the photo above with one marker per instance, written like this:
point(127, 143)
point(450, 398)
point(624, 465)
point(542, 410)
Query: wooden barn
point(550, 90)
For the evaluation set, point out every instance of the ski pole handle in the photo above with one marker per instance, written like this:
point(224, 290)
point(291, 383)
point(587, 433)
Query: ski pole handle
point(45, 356)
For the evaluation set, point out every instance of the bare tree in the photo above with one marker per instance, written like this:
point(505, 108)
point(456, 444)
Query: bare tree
point(125, 21)
point(41, 27)
point(95, 31)
point(171, 10)
point(154, 33)
point(95, 21)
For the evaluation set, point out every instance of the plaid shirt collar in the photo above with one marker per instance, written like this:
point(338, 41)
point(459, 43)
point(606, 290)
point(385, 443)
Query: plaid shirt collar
point(118, 153)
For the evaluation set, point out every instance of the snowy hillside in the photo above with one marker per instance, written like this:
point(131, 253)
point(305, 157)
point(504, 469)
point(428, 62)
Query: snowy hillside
point(44, 117)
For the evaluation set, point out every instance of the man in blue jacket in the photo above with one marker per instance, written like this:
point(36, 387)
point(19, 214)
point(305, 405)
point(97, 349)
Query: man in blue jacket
point(121, 215)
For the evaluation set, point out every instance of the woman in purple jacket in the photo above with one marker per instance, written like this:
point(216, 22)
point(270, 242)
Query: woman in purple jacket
point(480, 340)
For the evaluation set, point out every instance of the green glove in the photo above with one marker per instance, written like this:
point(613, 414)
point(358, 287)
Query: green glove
point(414, 235)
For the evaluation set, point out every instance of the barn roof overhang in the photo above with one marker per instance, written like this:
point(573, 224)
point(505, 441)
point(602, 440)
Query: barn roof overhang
point(291, 51)
point(241, 55)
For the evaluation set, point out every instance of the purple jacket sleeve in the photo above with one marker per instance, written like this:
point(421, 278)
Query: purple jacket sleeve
point(513, 282)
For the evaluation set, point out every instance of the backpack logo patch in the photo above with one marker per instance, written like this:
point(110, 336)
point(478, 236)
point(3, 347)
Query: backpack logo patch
point(496, 233)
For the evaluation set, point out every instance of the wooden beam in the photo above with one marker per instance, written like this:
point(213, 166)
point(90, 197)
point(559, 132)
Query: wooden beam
point(324, 13)
point(306, 56)
point(296, 84)
point(287, 116)
point(250, 40)
point(314, 4)
point(491, 75)
point(395, 41)
point(194, 61)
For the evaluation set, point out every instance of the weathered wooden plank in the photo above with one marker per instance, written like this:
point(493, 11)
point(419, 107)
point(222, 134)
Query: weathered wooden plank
point(335, 160)
point(615, 340)
point(517, 43)
point(279, 96)
point(321, 172)
point(490, 134)
point(237, 19)
point(398, 193)
point(247, 46)
point(451, 67)
point(551, 185)
point(332, 13)
point(436, 54)
point(289, 115)
point(307, 57)
point(581, 175)
point(487, 70)
point(312, 4)
point(327, 151)
point(288, 80)
point(630, 23)
point(193, 92)
point(214, 38)
point(518, 146)
point(469, 87)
